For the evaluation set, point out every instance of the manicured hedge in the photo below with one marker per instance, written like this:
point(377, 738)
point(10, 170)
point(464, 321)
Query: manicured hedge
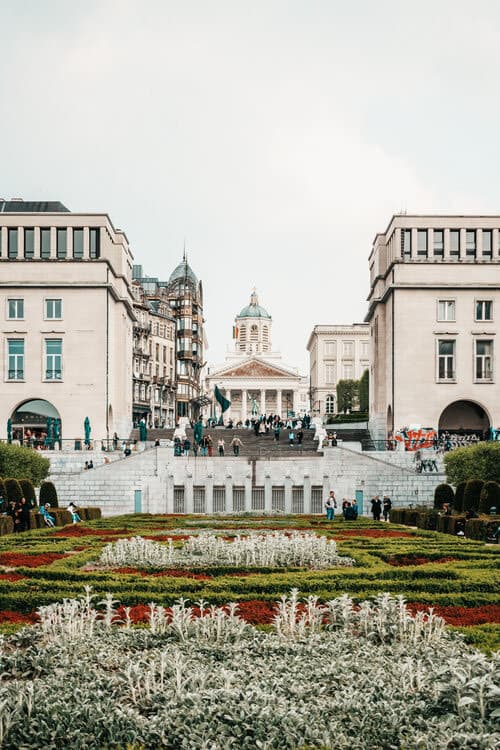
point(472, 494)
point(28, 490)
point(6, 525)
point(48, 494)
point(443, 494)
point(62, 518)
point(19, 462)
point(13, 490)
point(482, 460)
point(490, 497)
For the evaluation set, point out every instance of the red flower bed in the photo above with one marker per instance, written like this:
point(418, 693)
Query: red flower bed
point(464, 616)
point(76, 531)
point(172, 572)
point(18, 559)
point(7, 615)
point(255, 611)
point(11, 576)
point(166, 537)
point(404, 560)
point(374, 533)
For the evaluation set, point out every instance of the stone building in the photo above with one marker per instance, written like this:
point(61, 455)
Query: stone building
point(181, 297)
point(253, 377)
point(154, 360)
point(336, 352)
point(65, 283)
point(434, 314)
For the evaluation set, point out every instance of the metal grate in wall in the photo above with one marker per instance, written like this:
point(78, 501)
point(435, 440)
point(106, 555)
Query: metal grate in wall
point(199, 503)
point(258, 498)
point(297, 499)
point(179, 506)
point(238, 499)
point(278, 499)
point(219, 499)
point(317, 498)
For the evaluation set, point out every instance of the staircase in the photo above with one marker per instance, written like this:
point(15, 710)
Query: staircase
point(254, 446)
point(354, 435)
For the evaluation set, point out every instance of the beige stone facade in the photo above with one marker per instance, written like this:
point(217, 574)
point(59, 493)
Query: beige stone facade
point(254, 378)
point(434, 310)
point(67, 314)
point(336, 352)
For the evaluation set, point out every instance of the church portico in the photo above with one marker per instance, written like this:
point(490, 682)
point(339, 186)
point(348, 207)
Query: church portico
point(254, 380)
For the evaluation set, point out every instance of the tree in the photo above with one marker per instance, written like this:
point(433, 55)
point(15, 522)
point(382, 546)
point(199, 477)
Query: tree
point(347, 395)
point(48, 494)
point(364, 391)
point(443, 494)
point(490, 497)
point(23, 463)
point(482, 460)
point(472, 494)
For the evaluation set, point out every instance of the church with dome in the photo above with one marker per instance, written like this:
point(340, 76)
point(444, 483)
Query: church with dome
point(254, 378)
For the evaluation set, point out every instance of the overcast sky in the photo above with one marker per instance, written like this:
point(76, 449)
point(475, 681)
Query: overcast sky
point(275, 138)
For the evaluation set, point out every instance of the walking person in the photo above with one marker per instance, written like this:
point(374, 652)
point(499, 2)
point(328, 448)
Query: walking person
point(330, 505)
point(187, 446)
point(386, 507)
point(210, 445)
point(376, 508)
point(291, 438)
point(236, 444)
point(221, 445)
point(74, 513)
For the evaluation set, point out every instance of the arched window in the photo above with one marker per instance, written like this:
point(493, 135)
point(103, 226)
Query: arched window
point(330, 404)
point(254, 333)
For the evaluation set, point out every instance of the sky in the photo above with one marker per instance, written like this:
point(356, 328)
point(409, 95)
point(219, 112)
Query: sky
point(274, 138)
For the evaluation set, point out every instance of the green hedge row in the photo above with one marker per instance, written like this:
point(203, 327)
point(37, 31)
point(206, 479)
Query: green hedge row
point(62, 518)
point(481, 528)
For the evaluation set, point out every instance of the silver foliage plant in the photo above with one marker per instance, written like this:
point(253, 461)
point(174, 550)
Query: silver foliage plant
point(276, 549)
point(333, 675)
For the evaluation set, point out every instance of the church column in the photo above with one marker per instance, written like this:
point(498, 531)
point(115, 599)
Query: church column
point(295, 407)
point(279, 405)
point(263, 401)
point(243, 405)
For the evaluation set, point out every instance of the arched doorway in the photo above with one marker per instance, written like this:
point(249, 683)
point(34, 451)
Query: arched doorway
point(37, 423)
point(464, 417)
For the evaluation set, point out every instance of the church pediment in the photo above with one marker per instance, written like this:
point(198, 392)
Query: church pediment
point(256, 369)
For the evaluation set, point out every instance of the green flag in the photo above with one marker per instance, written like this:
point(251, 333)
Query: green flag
point(224, 403)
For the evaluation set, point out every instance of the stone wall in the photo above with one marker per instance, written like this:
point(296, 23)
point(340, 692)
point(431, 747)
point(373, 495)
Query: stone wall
point(168, 484)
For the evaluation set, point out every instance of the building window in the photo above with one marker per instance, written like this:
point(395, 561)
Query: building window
point(446, 310)
point(62, 243)
point(53, 309)
point(487, 243)
point(15, 309)
point(53, 359)
point(470, 243)
point(406, 243)
point(348, 349)
point(29, 243)
point(365, 348)
point(330, 405)
point(347, 372)
point(455, 243)
point(254, 333)
point(45, 243)
point(95, 242)
point(484, 360)
point(422, 242)
point(16, 359)
point(78, 243)
point(12, 243)
point(330, 348)
point(438, 240)
point(330, 373)
point(484, 309)
point(446, 359)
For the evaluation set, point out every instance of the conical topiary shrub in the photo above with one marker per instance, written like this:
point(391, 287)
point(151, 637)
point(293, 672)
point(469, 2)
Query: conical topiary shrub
point(28, 490)
point(48, 494)
point(443, 494)
point(490, 497)
point(459, 497)
point(472, 494)
point(13, 490)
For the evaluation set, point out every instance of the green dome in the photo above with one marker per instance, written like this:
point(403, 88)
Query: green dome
point(254, 310)
point(182, 272)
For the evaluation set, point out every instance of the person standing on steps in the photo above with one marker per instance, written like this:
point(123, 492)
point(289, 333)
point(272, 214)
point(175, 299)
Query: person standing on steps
point(236, 444)
point(330, 505)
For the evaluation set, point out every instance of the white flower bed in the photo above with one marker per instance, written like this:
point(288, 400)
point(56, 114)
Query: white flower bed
point(276, 549)
point(384, 680)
